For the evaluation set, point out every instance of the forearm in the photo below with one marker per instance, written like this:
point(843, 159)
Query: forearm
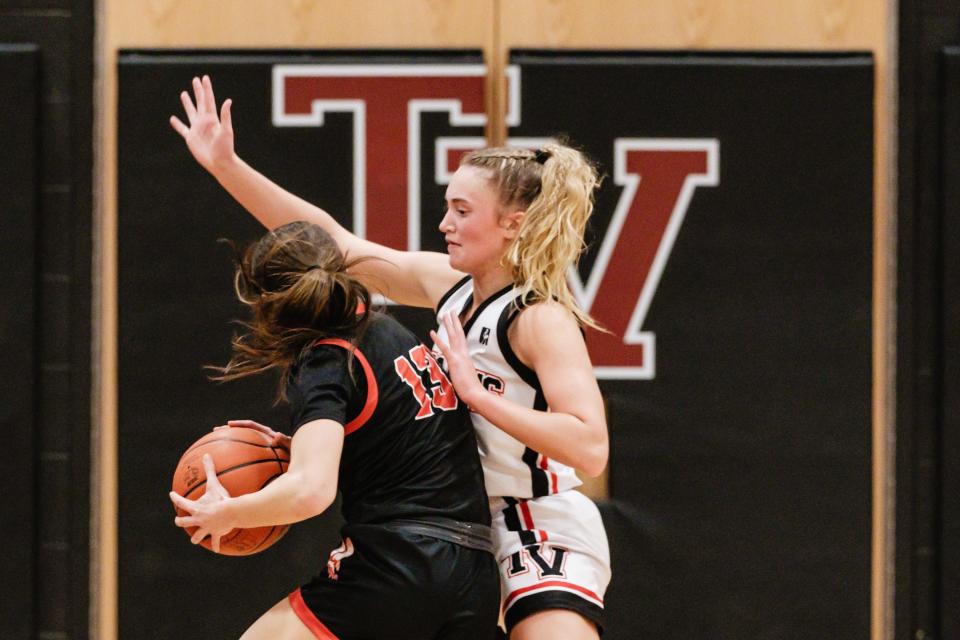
point(394, 274)
point(290, 498)
point(561, 436)
point(270, 204)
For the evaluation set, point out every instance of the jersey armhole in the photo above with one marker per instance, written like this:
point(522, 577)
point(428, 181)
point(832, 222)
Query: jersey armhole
point(370, 404)
point(507, 316)
point(450, 292)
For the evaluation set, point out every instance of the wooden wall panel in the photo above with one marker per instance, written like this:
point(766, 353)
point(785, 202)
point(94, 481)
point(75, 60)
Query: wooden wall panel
point(298, 23)
point(693, 24)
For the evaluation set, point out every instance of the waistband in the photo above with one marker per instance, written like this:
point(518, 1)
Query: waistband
point(471, 535)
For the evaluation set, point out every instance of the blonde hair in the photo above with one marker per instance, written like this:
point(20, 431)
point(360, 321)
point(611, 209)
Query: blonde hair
point(554, 185)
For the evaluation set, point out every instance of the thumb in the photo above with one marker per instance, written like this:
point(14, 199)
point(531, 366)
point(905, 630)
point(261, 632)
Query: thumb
point(226, 120)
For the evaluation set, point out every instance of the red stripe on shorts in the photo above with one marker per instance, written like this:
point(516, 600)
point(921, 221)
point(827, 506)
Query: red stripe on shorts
point(528, 520)
point(550, 583)
point(306, 617)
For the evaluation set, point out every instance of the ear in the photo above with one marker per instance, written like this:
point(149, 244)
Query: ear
point(510, 223)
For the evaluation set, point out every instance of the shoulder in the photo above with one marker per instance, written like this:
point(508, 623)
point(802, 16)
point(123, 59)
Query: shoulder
point(321, 358)
point(544, 327)
point(383, 333)
point(540, 317)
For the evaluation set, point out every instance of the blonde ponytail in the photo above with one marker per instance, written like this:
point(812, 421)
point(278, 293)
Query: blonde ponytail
point(554, 186)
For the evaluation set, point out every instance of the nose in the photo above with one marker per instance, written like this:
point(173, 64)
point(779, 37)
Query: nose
point(445, 223)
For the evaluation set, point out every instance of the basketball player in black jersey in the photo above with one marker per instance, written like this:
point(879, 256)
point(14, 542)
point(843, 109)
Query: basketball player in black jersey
point(375, 416)
point(514, 226)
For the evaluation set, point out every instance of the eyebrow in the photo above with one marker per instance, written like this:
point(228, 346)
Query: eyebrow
point(463, 200)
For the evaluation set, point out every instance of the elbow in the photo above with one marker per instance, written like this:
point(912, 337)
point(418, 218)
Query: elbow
point(594, 462)
point(315, 500)
point(594, 468)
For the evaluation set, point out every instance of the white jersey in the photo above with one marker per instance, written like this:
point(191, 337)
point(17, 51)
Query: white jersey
point(511, 469)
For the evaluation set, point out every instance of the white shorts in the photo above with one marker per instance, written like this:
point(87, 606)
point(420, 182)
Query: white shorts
point(552, 553)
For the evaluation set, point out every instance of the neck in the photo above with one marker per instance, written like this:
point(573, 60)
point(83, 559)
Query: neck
point(488, 283)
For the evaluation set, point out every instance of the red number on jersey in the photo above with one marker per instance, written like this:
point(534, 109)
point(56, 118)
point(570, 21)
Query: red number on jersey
point(440, 396)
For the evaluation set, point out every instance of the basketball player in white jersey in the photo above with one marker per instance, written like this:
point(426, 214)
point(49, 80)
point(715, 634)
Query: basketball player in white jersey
point(511, 333)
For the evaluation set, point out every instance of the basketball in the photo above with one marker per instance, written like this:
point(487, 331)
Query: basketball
point(245, 462)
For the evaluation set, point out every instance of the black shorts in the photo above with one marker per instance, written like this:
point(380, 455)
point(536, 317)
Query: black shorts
point(386, 584)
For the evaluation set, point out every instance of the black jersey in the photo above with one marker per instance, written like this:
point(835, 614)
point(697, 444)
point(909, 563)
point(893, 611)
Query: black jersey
point(409, 449)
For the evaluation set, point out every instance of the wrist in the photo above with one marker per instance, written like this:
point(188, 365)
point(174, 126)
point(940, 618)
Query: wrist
point(223, 167)
point(228, 511)
point(478, 400)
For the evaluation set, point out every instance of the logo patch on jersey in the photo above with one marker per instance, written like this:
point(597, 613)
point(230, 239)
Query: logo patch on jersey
point(485, 335)
point(431, 387)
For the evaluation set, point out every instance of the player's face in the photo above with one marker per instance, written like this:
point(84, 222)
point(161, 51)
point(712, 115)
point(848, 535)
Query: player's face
point(476, 232)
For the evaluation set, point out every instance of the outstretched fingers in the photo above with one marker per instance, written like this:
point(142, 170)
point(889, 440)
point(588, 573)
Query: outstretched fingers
point(444, 349)
point(213, 482)
point(182, 503)
point(191, 112)
point(188, 106)
point(226, 120)
point(209, 100)
point(197, 94)
point(199, 535)
point(190, 521)
point(454, 331)
point(179, 127)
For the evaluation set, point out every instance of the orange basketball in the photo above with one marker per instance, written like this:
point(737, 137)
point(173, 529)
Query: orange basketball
point(245, 462)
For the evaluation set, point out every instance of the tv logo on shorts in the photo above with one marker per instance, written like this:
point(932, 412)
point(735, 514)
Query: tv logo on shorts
point(657, 178)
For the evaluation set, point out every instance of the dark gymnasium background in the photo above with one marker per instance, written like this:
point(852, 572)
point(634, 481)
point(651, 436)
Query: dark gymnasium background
point(731, 255)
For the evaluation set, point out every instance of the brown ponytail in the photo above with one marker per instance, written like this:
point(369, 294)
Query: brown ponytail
point(295, 281)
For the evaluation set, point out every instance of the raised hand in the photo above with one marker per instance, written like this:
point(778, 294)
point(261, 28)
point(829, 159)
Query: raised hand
point(207, 513)
point(463, 373)
point(209, 136)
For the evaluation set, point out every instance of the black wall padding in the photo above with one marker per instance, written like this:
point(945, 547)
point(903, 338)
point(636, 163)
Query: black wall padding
point(176, 301)
point(747, 455)
point(950, 374)
point(19, 117)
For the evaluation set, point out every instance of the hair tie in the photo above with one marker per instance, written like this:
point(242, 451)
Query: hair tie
point(312, 268)
point(541, 156)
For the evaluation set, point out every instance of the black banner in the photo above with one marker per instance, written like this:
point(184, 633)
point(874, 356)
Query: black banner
point(731, 260)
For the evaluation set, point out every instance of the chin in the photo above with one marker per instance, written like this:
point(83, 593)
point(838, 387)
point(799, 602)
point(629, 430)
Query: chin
point(456, 264)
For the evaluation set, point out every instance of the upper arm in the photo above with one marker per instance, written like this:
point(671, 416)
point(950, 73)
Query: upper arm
point(549, 340)
point(413, 278)
point(315, 455)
